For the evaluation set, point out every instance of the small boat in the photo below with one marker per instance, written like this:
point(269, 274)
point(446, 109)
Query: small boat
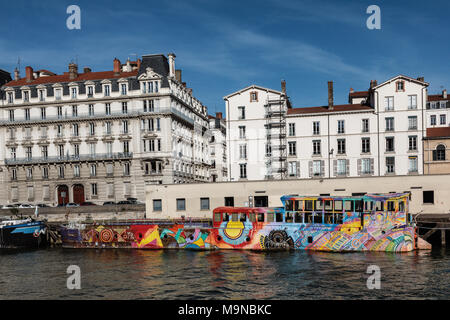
point(22, 233)
point(372, 222)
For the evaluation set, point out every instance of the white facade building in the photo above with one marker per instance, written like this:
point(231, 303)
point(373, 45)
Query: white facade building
point(438, 110)
point(100, 136)
point(218, 148)
point(378, 133)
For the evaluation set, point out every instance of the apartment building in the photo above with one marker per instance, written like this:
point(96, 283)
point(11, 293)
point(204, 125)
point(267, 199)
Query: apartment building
point(437, 150)
point(438, 110)
point(379, 132)
point(100, 136)
point(218, 148)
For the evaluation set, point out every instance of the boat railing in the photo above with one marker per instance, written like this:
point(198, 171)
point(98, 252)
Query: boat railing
point(197, 222)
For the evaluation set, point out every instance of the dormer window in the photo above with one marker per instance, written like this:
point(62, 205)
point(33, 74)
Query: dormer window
point(26, 96)
point(41, 95)
point(58, 94)
point(150, 87)
point(107, 90)
point(90, 91)
point(10, 97)
point(123, 87)
point(74, 93)
point(400, 85)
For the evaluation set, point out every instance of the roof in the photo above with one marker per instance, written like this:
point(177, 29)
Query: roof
point(65, 78)
point(437, 97)
point(401, 77)
point(359, 94)
point(324, 109)
point(253, 86)
point(440, 132)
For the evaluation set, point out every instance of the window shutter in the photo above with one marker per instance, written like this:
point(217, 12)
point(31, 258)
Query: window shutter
point(371, 165)
point(434, 155)
point(45, 193)
point(298, 169)
point(334, 167)
point(359, 167)
point(310, 168)
point(347, 167)
point(322, 167)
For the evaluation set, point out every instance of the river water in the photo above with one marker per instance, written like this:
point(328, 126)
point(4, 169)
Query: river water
point(171, 274)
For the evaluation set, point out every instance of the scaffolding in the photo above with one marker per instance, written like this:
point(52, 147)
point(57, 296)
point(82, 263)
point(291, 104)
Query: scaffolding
point(276, 153)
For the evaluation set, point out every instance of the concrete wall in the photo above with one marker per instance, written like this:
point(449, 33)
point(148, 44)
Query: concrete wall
point(216, 192)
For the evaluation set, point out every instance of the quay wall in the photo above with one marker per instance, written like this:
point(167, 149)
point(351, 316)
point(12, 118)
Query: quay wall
point(418, 185)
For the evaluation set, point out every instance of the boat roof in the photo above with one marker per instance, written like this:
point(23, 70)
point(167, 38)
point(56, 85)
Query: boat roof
point(369, 196)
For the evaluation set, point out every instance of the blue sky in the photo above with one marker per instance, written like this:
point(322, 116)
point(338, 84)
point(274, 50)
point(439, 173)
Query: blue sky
point(223, 46)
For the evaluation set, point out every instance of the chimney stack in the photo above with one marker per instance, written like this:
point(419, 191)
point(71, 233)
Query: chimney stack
point(171, 64)
point(178, 75)
point(421, 79)
point(73, 71)
point(116, 66)
point(283, 86)
point(138, 63)
point(373, 83)
point(351, 90)
point(218, 115)
point(330, 95)
point(29, 73)
point(16, 74)
point(444, 93)
point(87, 70)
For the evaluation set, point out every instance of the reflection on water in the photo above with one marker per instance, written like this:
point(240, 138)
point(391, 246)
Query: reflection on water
point(173, 274)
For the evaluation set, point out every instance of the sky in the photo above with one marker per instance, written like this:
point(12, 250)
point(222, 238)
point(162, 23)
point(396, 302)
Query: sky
point(224, 46)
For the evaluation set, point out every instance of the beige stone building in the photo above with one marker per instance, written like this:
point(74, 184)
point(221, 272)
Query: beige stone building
point(430, 194)
point(436, 147)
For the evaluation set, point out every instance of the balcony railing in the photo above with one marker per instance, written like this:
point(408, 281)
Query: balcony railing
point(73, 158)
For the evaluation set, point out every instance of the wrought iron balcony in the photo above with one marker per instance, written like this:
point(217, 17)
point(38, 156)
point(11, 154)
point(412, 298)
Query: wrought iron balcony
point(73, 158)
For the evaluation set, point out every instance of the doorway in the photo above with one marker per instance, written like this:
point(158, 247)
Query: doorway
point(78, 193)
point(63, 194)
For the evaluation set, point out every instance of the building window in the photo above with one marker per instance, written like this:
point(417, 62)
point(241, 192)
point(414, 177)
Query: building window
point(59, 130)
point(27, 114)
point(389, 124)
point(44, 173)
point(107, 90)
point(292, 148)
point(13, 153)
point(291, 129)
point(157, 205)
point(442, 119)
point(92, 129)
point(366, 166)
point(74, 111)
point(389, 144)
point(204, 203)
point(341, 126)
point(390, 164)
point(92, 149)
point(316, 127)
point(389, 103)
point(44, 151)
point(241, 111)
point(123, 87)
point(124, 107)
point(428, 197)
point(41, 95)
point(412, 142)
point(108, 127)
point(11, 115)
point(341, 146)
point(292, 168)
point(365, 145)
point(43, 114)
point(90, 92)
point(76, 150)
point(400, 85)
point(316, 147)
point(125, 126)
point(241, 132)
point(75, 130)
point(108, 109)
point(74, 93)
point(126, 147)
point(412, 123)
point(29, 173)
point(10, 97)
point(76, 170)
point(58, 94)
point(93, 189)
point(412, 164)
point(317, 168)
point(243, 170)
point(59, 112)
point(61, 172)
point(439, 153)
point(126, 169)
point(181, 204)
point(29, 153)
point(14, 174)
point(253, 96)
point(433, 120)
point(341, 167)
point(93, 170)
point(243, 151)
point(91, 110)
point(412, 102)
point(26, 96)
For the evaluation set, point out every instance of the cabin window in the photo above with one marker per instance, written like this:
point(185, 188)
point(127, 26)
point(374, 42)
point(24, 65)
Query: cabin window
point(270, 217)
point(226, 217)
point(379, 206)
point(319, 205)
point(278, 217)
point(391, 206)
point(309, 204)
point(243, 217)
point(338, 218)
point(289, 205)
point(348, 205)
point(260, 217)
point(328, 205)
point(217, 217)
point(234, 217)
point(289, 217)
point(299, 217)
point(401, 206)
point(328, 218)
point(338, 205)
point(359, 205)
point(252, 217)
point(368, 206)
point(298, 205)
point(308, 217)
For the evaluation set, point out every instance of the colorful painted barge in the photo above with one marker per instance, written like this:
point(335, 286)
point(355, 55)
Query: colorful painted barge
point(23, 233)
point(373, 222)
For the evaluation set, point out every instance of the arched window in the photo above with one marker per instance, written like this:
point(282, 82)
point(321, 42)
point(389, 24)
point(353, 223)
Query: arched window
point(439, 153)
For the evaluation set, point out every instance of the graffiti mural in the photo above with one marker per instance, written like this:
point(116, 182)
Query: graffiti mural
point(366, 223)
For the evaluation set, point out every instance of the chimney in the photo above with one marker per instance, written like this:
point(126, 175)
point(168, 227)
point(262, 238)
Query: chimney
point(73, 71)
point(421, 79)
point(178, 75)
point(218, 115)
point(87, 70)
point(330, 95)
point(171, 64)
point(16, 74)
point(444, 93)
point(116, 66)
point(283, 86)
point(138, 63)
point(351, 90)
point(373, 83)
point(29, 73)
